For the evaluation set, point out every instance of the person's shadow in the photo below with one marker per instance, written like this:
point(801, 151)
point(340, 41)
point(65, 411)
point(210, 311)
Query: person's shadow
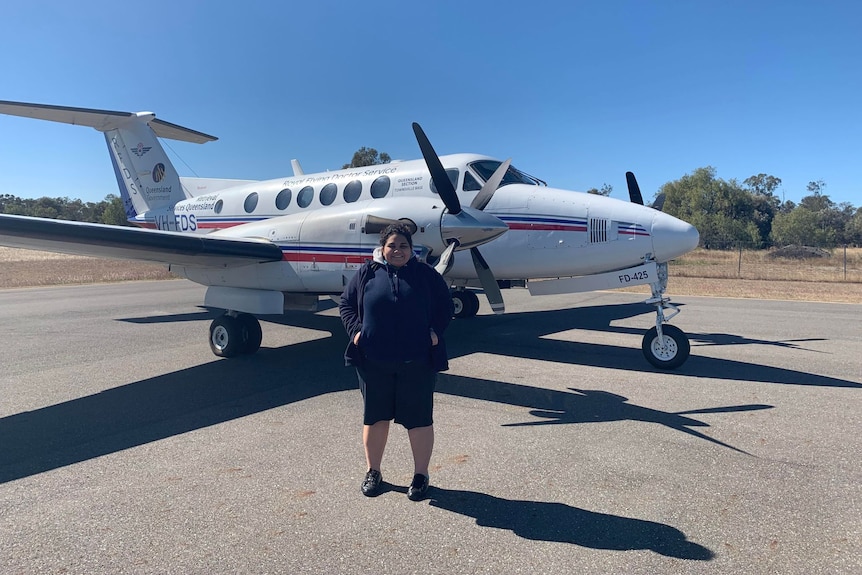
point(558, 522)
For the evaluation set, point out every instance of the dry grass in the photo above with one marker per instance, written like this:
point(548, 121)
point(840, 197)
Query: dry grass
point(28, 268)
point(700, 273)
point(757, 275)
point(842, 266)
point(834, 292)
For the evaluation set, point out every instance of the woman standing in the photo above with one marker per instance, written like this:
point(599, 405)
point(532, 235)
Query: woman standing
point(395, 310)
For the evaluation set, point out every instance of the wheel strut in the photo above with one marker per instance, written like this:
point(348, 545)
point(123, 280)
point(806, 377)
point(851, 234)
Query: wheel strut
point(664, 346)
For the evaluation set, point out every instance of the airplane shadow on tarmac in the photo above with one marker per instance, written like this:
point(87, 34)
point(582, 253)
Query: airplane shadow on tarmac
point(561, 523)
point(222, 390)
point(524, 334)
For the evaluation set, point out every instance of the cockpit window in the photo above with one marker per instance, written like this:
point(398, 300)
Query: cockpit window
point(453, 177)
point(470, 183)
point(486, 168)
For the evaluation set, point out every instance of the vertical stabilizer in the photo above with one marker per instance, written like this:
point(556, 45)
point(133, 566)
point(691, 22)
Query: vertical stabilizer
point(147, 179)
point(145, 175)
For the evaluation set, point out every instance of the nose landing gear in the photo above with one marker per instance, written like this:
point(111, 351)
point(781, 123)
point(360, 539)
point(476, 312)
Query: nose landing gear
point(665, 346)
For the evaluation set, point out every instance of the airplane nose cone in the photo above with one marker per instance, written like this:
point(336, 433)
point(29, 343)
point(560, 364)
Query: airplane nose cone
point(672, 237)
point(471, 227)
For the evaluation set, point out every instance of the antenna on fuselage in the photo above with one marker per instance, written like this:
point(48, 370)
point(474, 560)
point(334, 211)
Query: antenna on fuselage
point(297, 169)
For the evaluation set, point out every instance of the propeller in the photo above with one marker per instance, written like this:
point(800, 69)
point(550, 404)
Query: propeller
point(446, 259)
point(438, 172)
point(453, 204)
point(375, 224)
point(484, 196)
point(488, 281)
point(634, 189)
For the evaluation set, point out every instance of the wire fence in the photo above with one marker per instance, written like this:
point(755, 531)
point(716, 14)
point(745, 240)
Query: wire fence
point(793, 263)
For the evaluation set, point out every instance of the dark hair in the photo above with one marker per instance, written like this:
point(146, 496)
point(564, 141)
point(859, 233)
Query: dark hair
point(399, 229)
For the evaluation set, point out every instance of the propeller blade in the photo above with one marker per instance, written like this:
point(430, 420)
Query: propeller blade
point(446, 259)
point(489, 282)
point(634, 189)
point(438, 172)
point(487, 192)
point(375, 224)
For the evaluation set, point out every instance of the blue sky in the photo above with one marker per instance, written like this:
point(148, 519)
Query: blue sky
point(575, 93)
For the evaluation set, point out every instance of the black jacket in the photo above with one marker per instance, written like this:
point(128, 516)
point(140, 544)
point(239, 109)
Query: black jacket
point(413, 300)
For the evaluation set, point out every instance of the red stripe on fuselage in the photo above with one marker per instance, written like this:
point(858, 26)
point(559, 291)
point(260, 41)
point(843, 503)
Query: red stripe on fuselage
point(323, 258)
point(218, 225)
point(548, 227)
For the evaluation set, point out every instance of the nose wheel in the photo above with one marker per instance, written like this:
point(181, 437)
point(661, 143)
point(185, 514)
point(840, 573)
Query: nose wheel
point(668, 350)
point(665, 346)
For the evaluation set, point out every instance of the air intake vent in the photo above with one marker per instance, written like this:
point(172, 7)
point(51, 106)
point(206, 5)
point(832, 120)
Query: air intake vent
point(598, 231)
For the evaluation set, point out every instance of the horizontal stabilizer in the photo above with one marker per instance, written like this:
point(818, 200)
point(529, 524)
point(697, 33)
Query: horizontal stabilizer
point(102, 120)
point(98, 240)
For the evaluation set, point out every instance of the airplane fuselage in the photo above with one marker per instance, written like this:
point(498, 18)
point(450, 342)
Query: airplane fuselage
point(551, 232)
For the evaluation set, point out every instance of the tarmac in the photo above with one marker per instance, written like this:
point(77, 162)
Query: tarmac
point(127, 447)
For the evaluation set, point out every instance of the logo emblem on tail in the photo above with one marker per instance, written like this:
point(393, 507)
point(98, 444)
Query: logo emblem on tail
point(140, 149)
point(158, 172)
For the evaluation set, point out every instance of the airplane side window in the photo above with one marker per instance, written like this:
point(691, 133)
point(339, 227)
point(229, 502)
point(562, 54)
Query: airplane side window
point(380, 187)
point(250, 202)
point(219, 205)
point(453, 174)
point(352, 191)
point(282, 200)
point(304, 197)
point(328, 194)
point(470, 183)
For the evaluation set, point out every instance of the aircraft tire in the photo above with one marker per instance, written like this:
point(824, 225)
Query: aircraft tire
point(226, 336)
point(466, 303)
point(676, 350)
point(252, 335)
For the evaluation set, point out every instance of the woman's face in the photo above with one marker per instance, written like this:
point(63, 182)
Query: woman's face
point(397, 250)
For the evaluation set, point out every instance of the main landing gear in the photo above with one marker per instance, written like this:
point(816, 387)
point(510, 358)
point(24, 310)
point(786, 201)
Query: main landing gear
point(664, 346)
point(234, 334)
point(466, 303)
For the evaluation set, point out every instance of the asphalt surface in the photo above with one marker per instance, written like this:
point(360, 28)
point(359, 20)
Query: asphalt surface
point(126, 447)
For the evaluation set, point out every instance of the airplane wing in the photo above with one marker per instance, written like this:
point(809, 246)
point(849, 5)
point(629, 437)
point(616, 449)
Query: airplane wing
point(98, 240)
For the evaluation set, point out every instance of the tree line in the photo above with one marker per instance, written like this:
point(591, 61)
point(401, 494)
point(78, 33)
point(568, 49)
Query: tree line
point(108, 211)
point(728, 214)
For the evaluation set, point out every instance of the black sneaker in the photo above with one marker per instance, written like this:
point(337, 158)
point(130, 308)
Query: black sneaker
point(371, 483)
point(418, 487)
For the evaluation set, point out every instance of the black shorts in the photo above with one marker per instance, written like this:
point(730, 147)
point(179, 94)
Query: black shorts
point(400, 391)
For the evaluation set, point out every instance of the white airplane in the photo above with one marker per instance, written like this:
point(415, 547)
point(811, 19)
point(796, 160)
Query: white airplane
point(262, 247)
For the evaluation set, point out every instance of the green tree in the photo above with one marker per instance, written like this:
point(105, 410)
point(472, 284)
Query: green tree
point(816, 200)
point(367, 157)
point(762, 184)
point(803, 227)
point(114, 213)
point(605, 190)
point(831, 219)
point(722, 211)
point(766, 203)
point(853, 229)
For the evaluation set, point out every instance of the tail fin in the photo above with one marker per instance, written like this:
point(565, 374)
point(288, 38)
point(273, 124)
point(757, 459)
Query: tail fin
point(147, 179)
